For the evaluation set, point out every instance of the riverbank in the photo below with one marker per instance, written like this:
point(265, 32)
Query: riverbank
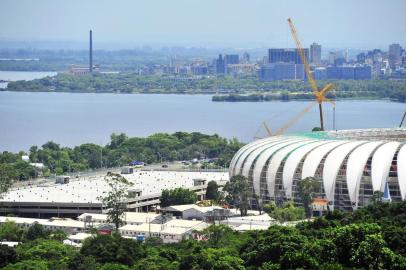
point(248, 88)
point(257, 97)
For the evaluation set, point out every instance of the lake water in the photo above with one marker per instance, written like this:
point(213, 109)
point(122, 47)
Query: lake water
point(22, 75)
point(28, 119)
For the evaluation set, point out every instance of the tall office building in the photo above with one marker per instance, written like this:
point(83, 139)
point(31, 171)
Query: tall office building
point(232, 59)
point(394, 55)
point(246, 58)
point(315, 53)
point(220, 65)
point(286, 56)
point(361, 58)
point(332, 58)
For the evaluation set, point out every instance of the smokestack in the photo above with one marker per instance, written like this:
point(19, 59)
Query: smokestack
point(90, 53)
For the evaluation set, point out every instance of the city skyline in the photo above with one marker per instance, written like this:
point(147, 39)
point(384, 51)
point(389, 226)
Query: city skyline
point(205, 24)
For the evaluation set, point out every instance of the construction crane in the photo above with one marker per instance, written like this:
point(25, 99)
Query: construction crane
point(403, 119)
point(320, 95)
point(267, 129)
point(286, 126)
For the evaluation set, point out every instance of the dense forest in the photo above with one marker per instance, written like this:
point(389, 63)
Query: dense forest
point(373, 237)
point(121, 150)
point(260, 91)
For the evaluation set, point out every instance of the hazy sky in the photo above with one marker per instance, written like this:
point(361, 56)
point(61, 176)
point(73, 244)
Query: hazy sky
point(249, 23)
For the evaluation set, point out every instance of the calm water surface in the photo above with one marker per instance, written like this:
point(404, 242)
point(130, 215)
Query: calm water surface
point(28, 119)
point(22, 75)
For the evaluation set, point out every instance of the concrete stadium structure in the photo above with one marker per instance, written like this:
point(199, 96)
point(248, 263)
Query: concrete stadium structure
point(350, 165)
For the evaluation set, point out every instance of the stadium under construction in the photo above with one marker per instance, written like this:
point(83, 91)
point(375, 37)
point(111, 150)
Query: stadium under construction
point(349, 164)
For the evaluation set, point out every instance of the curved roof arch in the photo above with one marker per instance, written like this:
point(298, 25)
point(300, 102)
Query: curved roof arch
point(253, 155)
point(355, 168)
point(243, 148)
point(275, 162)
point(402, 171)
point(333, 163)
point(381, 163)
point(237, 155)
point(261, 161)
point(293, 161)
point(314, 158)
point(241, 158)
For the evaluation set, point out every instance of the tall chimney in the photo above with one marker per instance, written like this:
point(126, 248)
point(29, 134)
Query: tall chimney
point(90, 53)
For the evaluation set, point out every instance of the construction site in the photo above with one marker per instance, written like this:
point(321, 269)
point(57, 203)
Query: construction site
point(350, 165)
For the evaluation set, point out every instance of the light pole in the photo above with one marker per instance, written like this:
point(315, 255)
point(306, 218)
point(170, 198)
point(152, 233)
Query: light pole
point(101, 158)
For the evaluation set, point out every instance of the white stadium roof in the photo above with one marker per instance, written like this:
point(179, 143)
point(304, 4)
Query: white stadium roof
point(328, 153)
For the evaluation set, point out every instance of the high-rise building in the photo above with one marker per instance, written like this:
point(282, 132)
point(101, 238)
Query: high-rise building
point(346, 56)
point(361, 58)
point(246, 58)
point(220, 65)
point(332, 58)
point(232, 59)
point(394, 55)
point(315, 53)
point(286, 56)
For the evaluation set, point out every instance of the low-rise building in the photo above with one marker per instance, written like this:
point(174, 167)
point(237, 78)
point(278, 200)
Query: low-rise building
point(255, 220)
point(192, 211)
point(349, 72)
point(82, 70)
point(170, 232)
point(67, 225)
point(250, 227)
point(130, 218)
point(76, 239)
point(281, 71)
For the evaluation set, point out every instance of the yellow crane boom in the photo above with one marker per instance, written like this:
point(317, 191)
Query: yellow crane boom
point(295, 119)
point(309, 75)
point(320, 95)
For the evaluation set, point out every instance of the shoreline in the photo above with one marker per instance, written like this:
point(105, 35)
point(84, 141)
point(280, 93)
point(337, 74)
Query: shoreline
point(205, 94)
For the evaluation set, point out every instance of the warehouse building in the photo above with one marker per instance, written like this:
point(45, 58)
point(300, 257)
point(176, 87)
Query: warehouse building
point(82, 195)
